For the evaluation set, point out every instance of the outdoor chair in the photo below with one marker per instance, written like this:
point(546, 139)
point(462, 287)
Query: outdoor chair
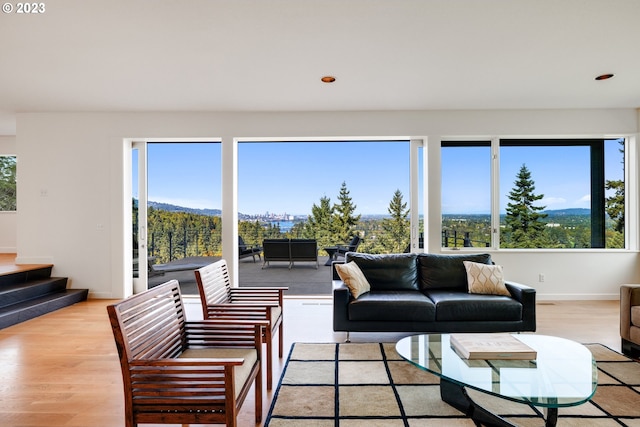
point(261, 304)
point(245, 250)
point(352, 247)
point(180, 372)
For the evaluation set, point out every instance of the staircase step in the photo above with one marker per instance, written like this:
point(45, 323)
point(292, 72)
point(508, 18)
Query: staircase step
point(23, 276)
point(35, 307)
point(18, 292)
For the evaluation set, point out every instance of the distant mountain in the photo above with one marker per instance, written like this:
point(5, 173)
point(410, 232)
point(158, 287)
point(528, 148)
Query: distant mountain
point(568, 212)
point(173, 208)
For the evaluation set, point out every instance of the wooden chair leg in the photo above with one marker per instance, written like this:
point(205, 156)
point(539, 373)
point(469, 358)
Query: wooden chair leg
point(280, 340)
point(269, 340)
point(258, 396)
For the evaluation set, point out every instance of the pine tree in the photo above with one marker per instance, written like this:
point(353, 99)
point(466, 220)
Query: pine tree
point(319, 224)
point(344, 220)
point(524, 226)
point(614, 205)
point(7, 183)
point(396, 233)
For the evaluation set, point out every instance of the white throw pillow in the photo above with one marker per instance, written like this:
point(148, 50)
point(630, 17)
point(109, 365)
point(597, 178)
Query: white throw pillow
point(485, 279)
point(353, 277)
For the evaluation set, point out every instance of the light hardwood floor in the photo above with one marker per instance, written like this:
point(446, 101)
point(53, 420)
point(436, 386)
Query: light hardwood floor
point(61, 369)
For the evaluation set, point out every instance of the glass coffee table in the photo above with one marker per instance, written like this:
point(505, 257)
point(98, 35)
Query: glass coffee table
point(563, 374)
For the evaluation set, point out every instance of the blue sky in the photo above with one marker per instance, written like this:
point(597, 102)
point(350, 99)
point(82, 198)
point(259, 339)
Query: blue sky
point(561, 174)
point(281, 177)
point(291, 177)
point(184, 174)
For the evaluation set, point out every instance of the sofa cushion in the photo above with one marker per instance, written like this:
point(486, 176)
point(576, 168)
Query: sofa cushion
point(635, 315)
point(454, 306)
point(387, 272)
point(352, 276)
point(392, 306)
point(485, 279)
point(446, 271)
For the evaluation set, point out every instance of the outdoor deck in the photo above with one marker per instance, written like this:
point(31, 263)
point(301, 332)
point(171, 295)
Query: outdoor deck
point(303, 279)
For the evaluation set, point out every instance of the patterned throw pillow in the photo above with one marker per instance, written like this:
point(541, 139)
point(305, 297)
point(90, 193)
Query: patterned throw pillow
point(353, 277)
point(485, 279)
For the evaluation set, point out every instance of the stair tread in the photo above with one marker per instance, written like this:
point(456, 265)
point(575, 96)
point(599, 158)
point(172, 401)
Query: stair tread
point(53, 296)
point(30, 283)
point(25, 275)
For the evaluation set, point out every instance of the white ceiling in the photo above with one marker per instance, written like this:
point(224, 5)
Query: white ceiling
point(269, 55)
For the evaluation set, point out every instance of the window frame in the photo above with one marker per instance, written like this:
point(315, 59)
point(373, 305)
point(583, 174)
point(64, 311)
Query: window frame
point(597, 184)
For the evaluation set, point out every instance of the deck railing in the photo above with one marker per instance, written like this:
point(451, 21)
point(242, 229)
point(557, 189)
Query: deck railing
point(167, 246)
point(454, 238)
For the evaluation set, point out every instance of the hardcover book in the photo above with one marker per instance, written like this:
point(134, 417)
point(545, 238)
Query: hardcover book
point(491, 346)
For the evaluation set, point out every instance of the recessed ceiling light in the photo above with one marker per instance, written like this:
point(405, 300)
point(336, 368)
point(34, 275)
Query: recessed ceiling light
point(328, 79)
point(604, 76)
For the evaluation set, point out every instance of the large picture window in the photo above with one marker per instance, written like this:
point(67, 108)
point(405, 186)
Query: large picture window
point(551, 193)
point(329, 191)
point(466, 194)
point(7, 183)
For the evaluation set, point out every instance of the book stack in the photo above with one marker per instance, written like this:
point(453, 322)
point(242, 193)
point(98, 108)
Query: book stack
point(491, 347)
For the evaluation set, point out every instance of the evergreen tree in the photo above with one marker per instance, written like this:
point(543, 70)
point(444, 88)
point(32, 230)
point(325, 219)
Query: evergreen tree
point(396, 230)
point(614, 205)
point(7, 183)
point(319, 224)
point(524, 226)
point(344, 220)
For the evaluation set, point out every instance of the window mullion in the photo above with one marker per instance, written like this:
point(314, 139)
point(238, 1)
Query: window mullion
point(495, 193)
point(598, 216)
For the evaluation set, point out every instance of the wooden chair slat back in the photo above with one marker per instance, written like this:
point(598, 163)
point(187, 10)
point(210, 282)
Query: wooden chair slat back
point(150, 325)
point(214, 283)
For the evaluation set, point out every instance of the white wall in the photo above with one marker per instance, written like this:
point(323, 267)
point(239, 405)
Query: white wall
point(8, 233)
point(71, 186)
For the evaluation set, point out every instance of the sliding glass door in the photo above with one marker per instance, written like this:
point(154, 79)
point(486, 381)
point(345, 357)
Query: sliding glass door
point(176, 211)
point(330, 191)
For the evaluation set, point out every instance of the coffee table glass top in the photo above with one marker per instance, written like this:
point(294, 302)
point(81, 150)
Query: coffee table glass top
point(563, 374)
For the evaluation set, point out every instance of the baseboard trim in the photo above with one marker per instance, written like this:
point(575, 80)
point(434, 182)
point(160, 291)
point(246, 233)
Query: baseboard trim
point(577, 297)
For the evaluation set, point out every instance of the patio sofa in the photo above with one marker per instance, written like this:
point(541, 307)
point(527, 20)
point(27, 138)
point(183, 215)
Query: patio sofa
point(289, 250)
point(425, 293)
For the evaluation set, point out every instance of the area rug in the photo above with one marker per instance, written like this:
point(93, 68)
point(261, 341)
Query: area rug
point(368, 384)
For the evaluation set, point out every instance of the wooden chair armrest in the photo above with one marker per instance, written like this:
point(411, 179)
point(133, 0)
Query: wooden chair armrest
point(225, 324)
point(264, 307)
point(257, 292)
point(258, 295)
point(236, 312)
point(225, 333)
point(175, 363)
point(260, 288)
point(251, 301)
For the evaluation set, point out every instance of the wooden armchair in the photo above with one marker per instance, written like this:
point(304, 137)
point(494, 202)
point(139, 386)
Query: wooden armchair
point(262, 304)
point(179, 372)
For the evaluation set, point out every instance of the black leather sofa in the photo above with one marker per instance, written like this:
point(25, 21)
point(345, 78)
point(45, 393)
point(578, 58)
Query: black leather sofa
point(426, 293)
